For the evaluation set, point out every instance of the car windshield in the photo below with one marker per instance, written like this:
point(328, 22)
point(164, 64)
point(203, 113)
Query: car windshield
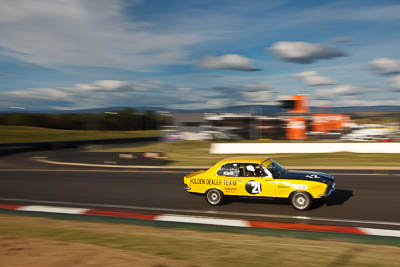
point(275, 169)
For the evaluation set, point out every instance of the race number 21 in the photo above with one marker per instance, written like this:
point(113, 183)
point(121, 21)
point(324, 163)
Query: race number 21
point(253, 187)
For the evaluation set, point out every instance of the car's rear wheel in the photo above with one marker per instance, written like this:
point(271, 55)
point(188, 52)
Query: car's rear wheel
point(301, 200)
point(214, 197)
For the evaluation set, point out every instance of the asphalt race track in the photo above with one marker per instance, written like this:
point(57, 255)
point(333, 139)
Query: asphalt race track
point(361, 199)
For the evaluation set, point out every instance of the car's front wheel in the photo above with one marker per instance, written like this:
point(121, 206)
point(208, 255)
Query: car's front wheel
point(301, 200)
point(214, 197)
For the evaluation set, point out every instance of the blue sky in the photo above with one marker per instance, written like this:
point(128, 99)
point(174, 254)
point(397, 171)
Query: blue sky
point(72, 54)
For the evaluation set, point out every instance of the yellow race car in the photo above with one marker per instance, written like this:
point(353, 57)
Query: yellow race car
point(259, 177)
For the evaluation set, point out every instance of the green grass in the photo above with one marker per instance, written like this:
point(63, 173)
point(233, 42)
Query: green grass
point(195, 248)
point(195, 153)
point(189, 153)
point(22, 134)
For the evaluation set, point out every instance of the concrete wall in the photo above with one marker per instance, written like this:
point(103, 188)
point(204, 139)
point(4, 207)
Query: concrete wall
point(276, 148)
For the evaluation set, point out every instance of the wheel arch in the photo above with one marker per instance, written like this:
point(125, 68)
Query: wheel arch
point(302, 191)
point(300, 206)
point(213, 188)
point(219, 199)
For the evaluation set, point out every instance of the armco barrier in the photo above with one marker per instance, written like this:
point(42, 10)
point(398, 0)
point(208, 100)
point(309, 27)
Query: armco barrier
point(11, 148)
point(75, 143)
point(277, 148)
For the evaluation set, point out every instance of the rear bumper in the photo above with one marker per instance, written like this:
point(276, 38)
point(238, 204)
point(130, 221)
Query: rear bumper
point(186, 187)
point(329, 190)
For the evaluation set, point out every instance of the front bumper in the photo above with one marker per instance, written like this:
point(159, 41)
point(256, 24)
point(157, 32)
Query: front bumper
point(329, 190)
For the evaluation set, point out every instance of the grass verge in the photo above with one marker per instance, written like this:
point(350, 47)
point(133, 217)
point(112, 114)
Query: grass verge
point(201, 248)
point(22, 134)
point(195, 153)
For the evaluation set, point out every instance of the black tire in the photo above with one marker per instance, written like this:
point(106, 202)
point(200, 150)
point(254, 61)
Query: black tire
point(214, 197)
point(301, 200)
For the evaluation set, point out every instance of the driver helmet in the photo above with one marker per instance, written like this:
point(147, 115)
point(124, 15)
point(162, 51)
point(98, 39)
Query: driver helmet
point(250, 168)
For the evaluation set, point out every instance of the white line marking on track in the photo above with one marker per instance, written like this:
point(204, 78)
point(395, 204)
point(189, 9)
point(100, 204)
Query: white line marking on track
point(80, 170)
point(381, 232)
point(158, 170)
point(64, 210)
point(114, 166)
point(160, 167)
point(202, 220)
point(276, 216)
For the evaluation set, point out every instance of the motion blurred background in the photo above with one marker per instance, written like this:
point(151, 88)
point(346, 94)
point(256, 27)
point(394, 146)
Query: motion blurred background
point(180, 83)
point(200, 71)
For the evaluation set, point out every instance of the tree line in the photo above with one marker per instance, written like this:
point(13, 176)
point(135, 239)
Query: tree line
point(122, 120)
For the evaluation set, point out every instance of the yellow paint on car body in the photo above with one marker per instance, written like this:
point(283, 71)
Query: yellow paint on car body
point(233, 177)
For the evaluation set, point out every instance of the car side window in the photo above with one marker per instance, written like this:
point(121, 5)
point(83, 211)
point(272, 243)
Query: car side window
point(251, 170)
point(229, 169)
point(259, 171)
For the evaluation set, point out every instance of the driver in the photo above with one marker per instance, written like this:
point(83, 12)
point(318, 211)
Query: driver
point(258, 171)
point(250, 171)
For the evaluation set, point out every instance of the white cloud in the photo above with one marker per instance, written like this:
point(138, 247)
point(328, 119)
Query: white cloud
point(312, 78)
point(341, 101)
point(96, 33)
point(149, 86)
point(351, 101)
point(228, 62)
point(385, 65)
point(304, 53)
point(189, 95)
point(101, 85)
point(259, 97)
point(395, 82)
point(217, 102)
point(40, 93)
point(258, 93)
point(261, 86)
point(320, 102)
point(346, 101)
point(94, 94)
point(384, 102)
point(114, 85)
point(184, 90)
point(341, 90)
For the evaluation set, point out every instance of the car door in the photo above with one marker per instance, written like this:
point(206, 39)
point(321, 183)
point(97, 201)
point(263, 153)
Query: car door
point(256, 184)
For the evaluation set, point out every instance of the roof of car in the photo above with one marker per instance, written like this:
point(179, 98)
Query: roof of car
point(245, 159)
